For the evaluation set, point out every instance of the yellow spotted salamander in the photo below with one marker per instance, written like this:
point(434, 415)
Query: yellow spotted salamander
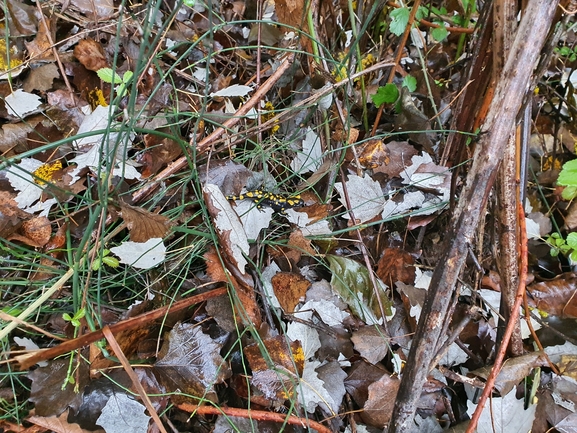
point(276, 202)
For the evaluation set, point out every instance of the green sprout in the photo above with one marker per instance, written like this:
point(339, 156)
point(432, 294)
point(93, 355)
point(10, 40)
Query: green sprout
point(109, 76)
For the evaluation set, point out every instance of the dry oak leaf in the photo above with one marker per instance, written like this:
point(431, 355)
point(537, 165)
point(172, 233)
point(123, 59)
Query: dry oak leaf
point(396, 265)
point(91, 54)
point(59, 424)
point(144, 225)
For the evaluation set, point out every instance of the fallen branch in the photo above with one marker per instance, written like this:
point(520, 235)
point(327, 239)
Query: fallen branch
point(259, 415)
point(26, 361)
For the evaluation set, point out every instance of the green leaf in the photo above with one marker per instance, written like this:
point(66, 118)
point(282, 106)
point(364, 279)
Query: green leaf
point(569, 193)
point(572, 240)
point(568, 175)
point(410, 83)
point(351, 281)
point(422, 13)
point(107, 75)
point(67, 317)
point(554, 252)
point(127, 77)
point(385, 95)
point(189, 3)
point(440, 33)
point(96, 264)
point(573, 256)
point(399, 20)
point(111, 261)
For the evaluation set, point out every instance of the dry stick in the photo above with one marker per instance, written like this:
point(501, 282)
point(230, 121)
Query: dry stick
point(259, 415)
point(504, 13)
point(398, 57)
point(513, 85)
point(134, 322)
point(208, 141)
point(510, 326)
point(133, 377)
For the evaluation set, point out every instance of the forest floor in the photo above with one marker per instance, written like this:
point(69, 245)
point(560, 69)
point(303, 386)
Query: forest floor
point(287, 216)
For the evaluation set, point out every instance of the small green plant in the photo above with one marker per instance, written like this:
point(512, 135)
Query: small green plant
point(105, 259)
point(109, 76)
point(75, 320)
point(567, 247)
point(568, 179)
point(569, 53)
point(389, 93)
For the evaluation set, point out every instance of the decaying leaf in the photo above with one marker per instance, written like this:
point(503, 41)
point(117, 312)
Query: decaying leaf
point(557, 297)
point(91, 55)
point(141, 255)
point(190, 362)
point(123, 414)
point(289, 289)
point(143, 224)
point(231, 233)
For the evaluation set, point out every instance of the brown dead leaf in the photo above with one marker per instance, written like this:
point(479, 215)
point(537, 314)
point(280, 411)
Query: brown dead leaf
point(40, 49)
point(160, 151)
point(11, 216)
point(144, 225)
point(379, 405)
point(41, 78)
point(35, 232)
point(557, 297)
point(23, 21)
point(94, 10)
point(289, 288)
point(371, 343)
point(275, 387)
point(400, 154)
point(59, 424)
point(91, 54)
point(396, 265)
point(373, 154)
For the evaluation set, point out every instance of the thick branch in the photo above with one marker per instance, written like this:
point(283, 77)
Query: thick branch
point(512, 86)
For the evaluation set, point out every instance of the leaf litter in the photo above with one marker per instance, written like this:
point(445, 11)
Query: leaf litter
point(326, 279)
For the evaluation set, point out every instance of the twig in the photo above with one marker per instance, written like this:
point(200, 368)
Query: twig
point(134, 322)
point(510, 325)
point(133, 377)
point(259, 415)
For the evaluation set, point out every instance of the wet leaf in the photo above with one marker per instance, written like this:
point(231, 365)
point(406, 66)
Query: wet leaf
point(141, 255)
point(352, 283)
point(556, 297)
point(190, 362)
point(289, 289)
point(122, 414)
point(90, 54)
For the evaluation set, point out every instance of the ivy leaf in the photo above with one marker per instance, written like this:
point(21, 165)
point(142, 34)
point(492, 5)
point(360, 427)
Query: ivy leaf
point(399, 20)
point(410, 83)
point(385, 95)
point(568, 175)
point(107, 75)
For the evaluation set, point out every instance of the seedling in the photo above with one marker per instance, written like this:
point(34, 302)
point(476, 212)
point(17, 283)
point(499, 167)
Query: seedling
point(109, 76)
point(105, 259)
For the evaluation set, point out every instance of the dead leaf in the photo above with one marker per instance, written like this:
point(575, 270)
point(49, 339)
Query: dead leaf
point(400, 154)
point(144, 225)
point(557, 297)
point(37, 231)
point(59, 424)
point(41, 78)
point(40, 49)
point(11, 217)
point(91, 55)
point(160, 152)
point(23, 19)
point(189, 362)
point(290, 289)
point(373, 154)
point(273, 381)
point(396, 265)
point(371, 343)
point(380, 402)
